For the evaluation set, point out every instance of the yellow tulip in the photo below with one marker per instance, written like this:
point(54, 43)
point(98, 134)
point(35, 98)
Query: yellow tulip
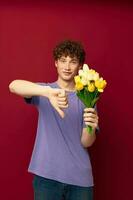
point(77, 79)
point(92, 71)
point(92, 75)
point(91, 87)
point(96, 76)
point(84, 79)
point(79, 86)
point(100, 84)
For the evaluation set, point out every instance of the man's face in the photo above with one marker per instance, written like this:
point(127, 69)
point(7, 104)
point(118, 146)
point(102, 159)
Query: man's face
point(67, 67)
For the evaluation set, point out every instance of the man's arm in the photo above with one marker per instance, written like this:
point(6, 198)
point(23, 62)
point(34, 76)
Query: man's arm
point(28, 89)
point(87, 139)
point(90, 118)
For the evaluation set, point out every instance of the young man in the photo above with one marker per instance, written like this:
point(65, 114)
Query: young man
point(60, 161)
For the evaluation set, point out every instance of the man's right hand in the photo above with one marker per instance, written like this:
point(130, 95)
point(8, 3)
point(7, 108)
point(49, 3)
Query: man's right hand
point(57, 97)
point(58, 100)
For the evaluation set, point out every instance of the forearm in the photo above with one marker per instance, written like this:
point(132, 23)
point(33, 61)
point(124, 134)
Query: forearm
point(90, 118)
point(28, 89)
point(87, 139)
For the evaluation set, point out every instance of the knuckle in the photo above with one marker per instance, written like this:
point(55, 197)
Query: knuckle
point(95, 125)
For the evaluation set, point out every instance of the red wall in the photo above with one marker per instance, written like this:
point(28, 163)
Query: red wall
point(28, 32)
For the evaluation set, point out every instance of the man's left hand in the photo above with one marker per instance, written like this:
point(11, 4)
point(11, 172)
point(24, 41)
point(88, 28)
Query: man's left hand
point(91, 117)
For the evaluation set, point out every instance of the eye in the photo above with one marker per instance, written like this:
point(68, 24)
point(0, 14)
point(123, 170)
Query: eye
point(63, 61)
point(74, 62)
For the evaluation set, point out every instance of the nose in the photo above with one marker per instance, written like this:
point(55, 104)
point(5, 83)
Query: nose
point(67, 67)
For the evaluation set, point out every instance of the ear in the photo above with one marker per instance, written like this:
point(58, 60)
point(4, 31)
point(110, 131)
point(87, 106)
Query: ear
point(55, 63)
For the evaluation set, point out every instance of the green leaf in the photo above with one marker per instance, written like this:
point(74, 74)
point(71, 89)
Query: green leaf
point(94, 101)
point(88, 98)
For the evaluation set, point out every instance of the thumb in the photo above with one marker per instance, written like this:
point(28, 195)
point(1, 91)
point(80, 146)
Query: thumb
point(62, 93)
point(61, 113)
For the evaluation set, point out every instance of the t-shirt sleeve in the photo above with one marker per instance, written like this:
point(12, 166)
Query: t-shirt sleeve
point(84, 125)
point(34, 99)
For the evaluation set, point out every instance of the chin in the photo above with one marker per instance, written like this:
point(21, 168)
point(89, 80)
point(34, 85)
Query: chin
point(67, 78)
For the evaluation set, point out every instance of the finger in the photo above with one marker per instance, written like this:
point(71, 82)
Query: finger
point(62, 93)
point(93, 125)
point(62, 99)
point(88, 119)
point(90, 110)
point(91, 115)
point(62, 103)
point(63, 106)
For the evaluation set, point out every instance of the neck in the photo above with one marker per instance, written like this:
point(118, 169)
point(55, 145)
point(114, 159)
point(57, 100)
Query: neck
point(66, 85)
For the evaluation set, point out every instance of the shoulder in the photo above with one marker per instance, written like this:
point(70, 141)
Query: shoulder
point(51, 84)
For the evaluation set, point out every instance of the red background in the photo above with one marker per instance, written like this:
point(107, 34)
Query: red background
point(28, 33)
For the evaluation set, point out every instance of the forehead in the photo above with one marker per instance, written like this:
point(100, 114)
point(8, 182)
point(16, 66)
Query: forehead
point(68, 58)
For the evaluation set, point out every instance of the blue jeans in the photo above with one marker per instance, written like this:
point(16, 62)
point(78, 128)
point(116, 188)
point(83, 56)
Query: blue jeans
point(47, 189)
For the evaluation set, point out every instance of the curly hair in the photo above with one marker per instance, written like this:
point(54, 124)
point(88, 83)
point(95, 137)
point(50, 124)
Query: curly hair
point(69, 48)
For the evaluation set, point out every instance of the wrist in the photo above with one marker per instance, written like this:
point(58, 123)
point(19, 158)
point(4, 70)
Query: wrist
point(45, 91)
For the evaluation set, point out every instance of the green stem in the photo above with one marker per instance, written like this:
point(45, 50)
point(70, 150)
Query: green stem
point(89, 129)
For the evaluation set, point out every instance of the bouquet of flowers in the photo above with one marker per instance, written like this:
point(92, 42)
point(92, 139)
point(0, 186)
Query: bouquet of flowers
point(89, 85)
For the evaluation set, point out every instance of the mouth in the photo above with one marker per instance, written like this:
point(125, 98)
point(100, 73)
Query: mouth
point(67, 73)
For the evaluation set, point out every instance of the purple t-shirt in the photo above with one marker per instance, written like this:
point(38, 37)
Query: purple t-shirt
point(58, 153)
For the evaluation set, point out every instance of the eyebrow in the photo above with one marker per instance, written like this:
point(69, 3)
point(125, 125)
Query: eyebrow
point(73, 59)
point(63, 58)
